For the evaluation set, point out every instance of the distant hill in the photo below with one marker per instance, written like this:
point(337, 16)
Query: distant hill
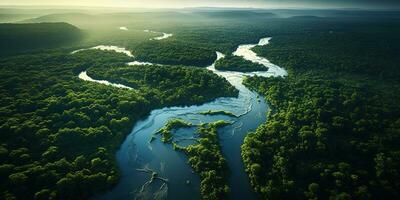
point(86, 21)
point(234, 14)
point(340, 13)
point(11, 18)
point(20, 38)
point(63, 17)
point(306, 17)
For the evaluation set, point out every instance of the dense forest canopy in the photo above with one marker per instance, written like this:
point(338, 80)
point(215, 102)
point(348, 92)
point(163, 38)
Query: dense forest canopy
point(206, 158)
point(59, 133)
point(17, 38)
point(333, 131)
point(238, 63)
point(166, 82)
point(174, 52)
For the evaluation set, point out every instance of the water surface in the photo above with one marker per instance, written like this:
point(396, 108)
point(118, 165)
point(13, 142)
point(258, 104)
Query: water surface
point(162, 37)
point(138, 157)
point(107, 48)
point(83, 75)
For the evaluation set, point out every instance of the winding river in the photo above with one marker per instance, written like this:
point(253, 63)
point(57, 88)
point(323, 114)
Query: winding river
point(83, 75)
point(162, 37)
point(140, 155)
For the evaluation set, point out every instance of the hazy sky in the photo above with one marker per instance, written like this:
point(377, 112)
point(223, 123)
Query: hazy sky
point(213, 3)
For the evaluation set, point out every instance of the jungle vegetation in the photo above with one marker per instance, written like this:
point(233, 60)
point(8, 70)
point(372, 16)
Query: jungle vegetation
point(333, 131)
point(162, 82)
point(206, 159)
point(334, 128)
point(171, 125)
point(218, 112)
point(238, 63)
point(59, 133)
point(20, 38)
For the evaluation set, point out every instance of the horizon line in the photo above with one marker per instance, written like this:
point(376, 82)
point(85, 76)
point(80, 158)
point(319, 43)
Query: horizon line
point(207, 7)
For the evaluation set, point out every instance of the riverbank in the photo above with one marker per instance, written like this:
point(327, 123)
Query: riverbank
point(138, 152)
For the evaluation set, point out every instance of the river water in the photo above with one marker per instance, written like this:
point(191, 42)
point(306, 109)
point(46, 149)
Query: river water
point(140, 154)
point(162, 37)
point(83, 75)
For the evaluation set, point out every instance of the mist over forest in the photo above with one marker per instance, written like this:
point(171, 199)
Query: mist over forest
point(199, 100)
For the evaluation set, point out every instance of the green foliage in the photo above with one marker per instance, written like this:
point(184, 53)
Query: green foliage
point(172, 125)
point(333, 131)
point(218, 112)
point(174, 52)
point(206, 159)
point(17, 38)
point(238, 63)
point(59, 134)
point(220, 123)
point(194, 85)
